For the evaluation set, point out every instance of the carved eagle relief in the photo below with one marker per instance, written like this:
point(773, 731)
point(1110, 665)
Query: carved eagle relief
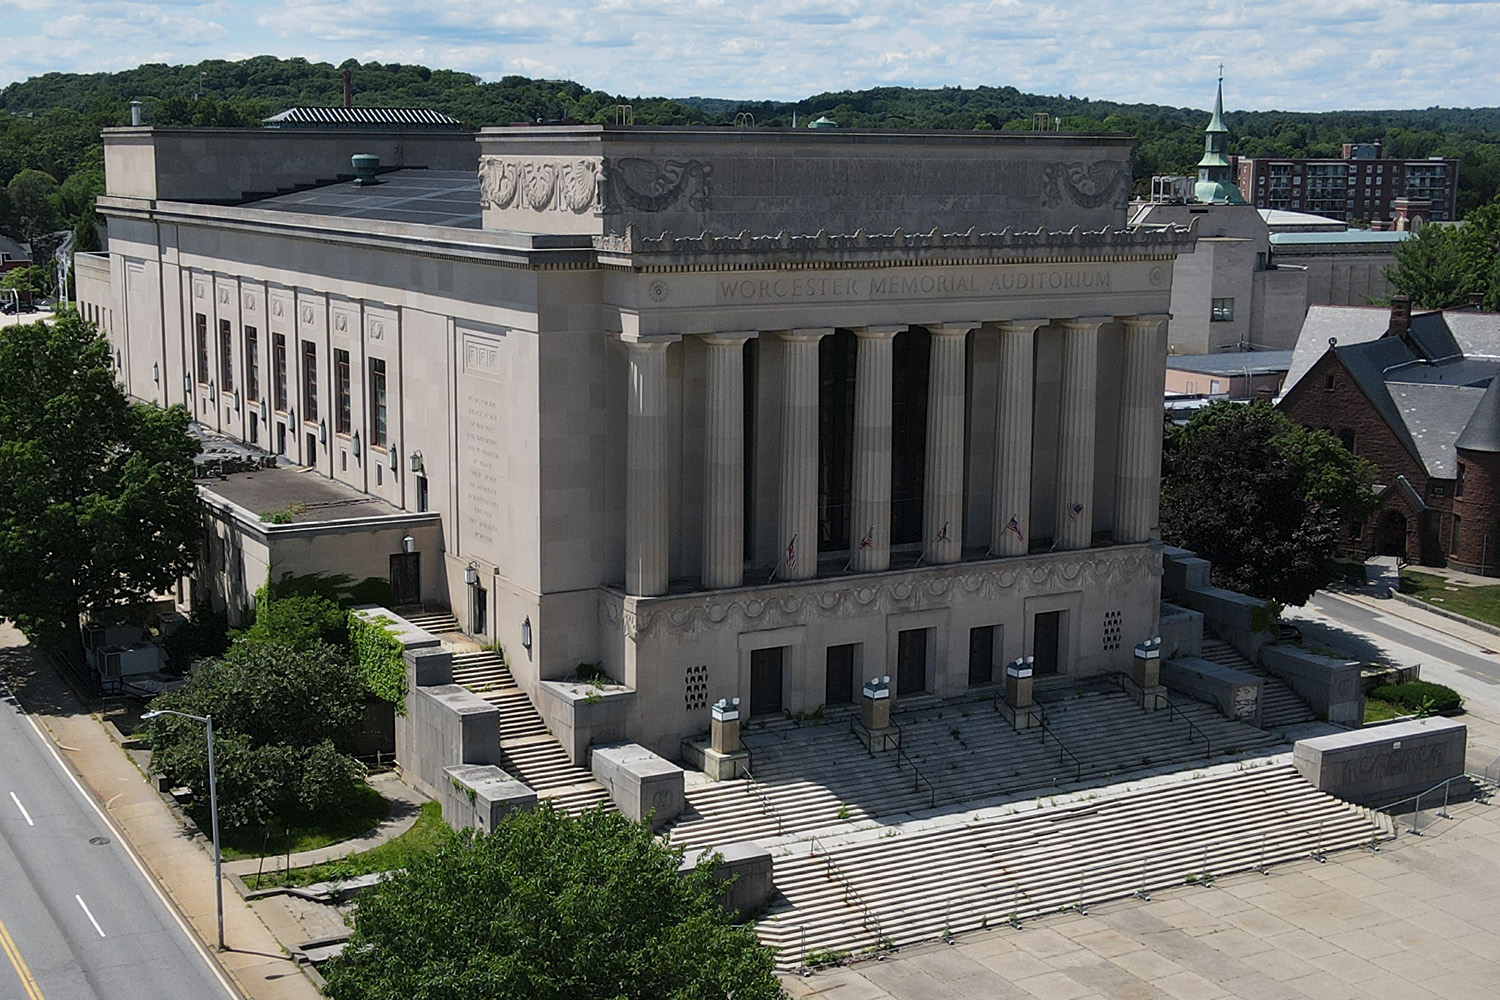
point(1087, 185)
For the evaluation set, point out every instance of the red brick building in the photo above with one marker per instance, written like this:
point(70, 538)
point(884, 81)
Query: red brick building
point(1421, 403)
point(1359, 185)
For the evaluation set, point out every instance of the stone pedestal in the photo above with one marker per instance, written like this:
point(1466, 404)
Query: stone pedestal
point(1019, 710)
point(642, 784)
point(1145, 671)
point(724, 727)
point(875, 716)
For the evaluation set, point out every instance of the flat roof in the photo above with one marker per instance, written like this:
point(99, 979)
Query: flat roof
point(1347, 236)
point(1232, 362)
point(424, 197)
point(297, 495)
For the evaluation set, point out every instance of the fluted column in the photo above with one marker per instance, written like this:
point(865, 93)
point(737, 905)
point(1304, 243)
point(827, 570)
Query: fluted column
point(870, 515)
point(798, 517)
point(724, 461)
point(646, 462)
point(943, 479)
point(1013, 417)
point(1138, 457)
point(1075, 432)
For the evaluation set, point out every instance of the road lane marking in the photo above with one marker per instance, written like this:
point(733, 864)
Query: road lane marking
point(24, 813)
point(196, 942)
point(28, 981)
point(88, 914)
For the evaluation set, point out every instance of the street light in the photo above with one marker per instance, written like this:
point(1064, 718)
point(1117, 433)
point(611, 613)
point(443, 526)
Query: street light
point(213, 807)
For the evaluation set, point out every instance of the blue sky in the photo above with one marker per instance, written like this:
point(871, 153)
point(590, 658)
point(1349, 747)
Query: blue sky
point(1289, 54)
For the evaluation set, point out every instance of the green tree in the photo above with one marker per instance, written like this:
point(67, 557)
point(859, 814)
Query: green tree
point(97, 502)
point(1442, 266)
point(33, 204)
point(285, 718)
point(299, 621)
point(551, 907)
point(1261, 498)
point(31, 279)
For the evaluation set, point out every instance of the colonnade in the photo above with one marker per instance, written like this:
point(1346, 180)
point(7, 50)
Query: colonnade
point(1137, 463)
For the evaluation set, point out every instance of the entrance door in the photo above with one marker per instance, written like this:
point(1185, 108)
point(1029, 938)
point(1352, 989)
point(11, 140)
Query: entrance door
point(280, 438)
point(310, 456)
point(406, 578)
point(765, 680)
point(1047, 645)
point(480, 608)
point(839, 687)
point(911, 661)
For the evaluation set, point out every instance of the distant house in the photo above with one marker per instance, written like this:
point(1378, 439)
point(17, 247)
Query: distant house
point(1233, 374)
point(1417, 396)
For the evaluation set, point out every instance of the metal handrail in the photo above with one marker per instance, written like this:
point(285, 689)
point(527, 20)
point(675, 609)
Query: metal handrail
point(758, 790)
point(917, 776)
point(834, 870)
point(1122, 679)
point(1491, 772)
point(1042, 724)
point(1416, 800)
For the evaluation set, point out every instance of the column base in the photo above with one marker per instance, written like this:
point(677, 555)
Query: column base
point(878, 740)
point(725, 766)
point(1028, 717)
point(1153, 697)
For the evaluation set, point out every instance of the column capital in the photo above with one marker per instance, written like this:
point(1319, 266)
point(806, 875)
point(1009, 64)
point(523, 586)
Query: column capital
point(878, 332)
point(730, 338)
point(1146, 320)
point(650, 339)
point(1029, 325)
point(1084, 322)
point(958, 328)
point(805, 335)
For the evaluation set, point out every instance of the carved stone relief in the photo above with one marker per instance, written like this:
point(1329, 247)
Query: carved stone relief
point(633, 182)
point(1087, 185)
point(779, 610)
point(540, 185)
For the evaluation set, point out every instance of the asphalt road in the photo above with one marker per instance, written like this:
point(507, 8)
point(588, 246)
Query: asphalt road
point(1467, 666)
point(79, 920)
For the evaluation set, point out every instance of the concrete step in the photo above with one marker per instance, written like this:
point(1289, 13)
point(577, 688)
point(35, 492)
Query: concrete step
point(437, 622)
point(1280, 706)
point(905, 887)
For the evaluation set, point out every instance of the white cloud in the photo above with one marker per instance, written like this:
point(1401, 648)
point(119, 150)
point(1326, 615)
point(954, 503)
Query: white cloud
point(1278, 53)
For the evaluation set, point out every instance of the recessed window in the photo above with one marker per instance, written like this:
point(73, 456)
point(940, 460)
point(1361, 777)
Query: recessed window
point(1346, 438)
point(378, 410)
point(1330, 381)
point(252, 364)
point(278, 370)
point(309, 381)
point(1453, 540)
point(1458, 484)
point(1223, 311)
point(343, 415)
point(200, 324)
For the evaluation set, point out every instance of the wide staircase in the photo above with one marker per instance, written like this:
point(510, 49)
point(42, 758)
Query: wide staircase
point(529, 752)
point(821, 778)
point(1280, 705)
point(885, 888)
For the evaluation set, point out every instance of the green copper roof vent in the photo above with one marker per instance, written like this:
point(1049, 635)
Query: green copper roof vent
point(823, 121)
point(366, 165)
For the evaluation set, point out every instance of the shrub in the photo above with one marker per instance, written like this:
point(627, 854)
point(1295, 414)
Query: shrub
point(380, 659)
point(1419, 696)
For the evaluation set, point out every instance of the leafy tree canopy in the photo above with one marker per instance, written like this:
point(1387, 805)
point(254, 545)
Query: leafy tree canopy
point(33, 203)
point(97, 501)
point(550, 907)
point(1443, 265)
point(1262, 498)
point(284, 720)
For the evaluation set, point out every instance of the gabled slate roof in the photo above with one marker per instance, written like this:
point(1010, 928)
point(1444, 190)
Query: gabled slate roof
point(405, 118)
point(1482, 433)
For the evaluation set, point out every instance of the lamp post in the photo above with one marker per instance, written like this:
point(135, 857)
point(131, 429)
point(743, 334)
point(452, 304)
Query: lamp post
point(213, 808)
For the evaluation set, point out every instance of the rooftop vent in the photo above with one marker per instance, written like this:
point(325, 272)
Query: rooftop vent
point(366, 165)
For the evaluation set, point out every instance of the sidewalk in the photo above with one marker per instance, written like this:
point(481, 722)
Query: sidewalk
point(180, 861)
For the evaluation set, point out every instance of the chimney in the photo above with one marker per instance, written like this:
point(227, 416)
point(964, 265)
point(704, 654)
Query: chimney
point(1400, 315)
point(135, 112)
point(348, 91)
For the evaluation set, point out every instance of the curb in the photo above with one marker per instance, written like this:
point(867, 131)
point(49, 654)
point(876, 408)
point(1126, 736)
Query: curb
point(1444, 612)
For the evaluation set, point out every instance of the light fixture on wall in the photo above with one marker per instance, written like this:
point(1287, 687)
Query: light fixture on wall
point(156, 372)
point(354, 445)
point(265, 412)
point(394, 454)
point(416, 461)
point(526, 634)
point(236, 401)
point(213, 388)
point(408, 544)
point(187, 384)
point(322, 432)
point(291, 416)
point(471, 574)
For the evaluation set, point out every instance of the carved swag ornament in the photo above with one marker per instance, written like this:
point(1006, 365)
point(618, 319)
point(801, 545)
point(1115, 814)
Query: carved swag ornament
point(540, 185)
point(1087, 185)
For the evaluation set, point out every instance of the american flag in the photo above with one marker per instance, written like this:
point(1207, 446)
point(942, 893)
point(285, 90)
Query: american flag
point(791, 553)
point(1074, 509)
point(868, 540)
point(942, 535)
point(1015, 526)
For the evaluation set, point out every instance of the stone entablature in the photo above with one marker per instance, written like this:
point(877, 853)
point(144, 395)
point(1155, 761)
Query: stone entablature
point(857, 596)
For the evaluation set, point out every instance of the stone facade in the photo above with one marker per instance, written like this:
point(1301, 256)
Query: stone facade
point(619, 387)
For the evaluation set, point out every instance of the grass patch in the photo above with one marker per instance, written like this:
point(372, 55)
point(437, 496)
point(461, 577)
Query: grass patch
point(425, 837)
point(368, 810)
point(1481, 602)
point(1380, 711)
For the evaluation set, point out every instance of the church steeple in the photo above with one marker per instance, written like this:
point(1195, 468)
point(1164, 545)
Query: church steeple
point(1215, 174)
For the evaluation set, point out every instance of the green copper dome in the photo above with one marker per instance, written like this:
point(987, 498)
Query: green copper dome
point(1216, 184)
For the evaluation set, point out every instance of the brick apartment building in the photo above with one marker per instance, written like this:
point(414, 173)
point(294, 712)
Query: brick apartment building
point(1361, 184)
point(1420, 401)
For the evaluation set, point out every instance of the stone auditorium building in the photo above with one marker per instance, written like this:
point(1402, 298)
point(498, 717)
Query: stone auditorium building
point(730, 412)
